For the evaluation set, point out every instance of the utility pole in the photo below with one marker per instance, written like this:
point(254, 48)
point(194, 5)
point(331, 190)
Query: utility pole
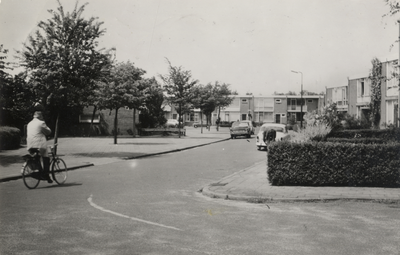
point(301, 99)
point(398, 100)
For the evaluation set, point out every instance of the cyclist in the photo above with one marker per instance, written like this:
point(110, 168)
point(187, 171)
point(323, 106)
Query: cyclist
point(36, 140)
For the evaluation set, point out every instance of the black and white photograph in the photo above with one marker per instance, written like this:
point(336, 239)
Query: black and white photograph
point(215, 127)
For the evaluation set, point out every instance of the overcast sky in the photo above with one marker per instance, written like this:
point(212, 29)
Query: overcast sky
point(250, 44)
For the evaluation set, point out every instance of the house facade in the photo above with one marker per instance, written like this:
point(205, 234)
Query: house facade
point(273, 109)
point(260, 109)
point(390, 94)
point(355, 98)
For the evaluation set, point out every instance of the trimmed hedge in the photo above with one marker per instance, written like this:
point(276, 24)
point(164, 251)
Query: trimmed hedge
point(357, 140)
point(334, 164)
point(10, 138)
point(391, 134)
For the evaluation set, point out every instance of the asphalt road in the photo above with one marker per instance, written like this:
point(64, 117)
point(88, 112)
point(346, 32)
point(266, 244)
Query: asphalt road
point(151, 206)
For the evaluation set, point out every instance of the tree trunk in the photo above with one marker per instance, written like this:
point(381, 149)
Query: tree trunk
point(116, 126)
point(134, 123)
point(218, 119)
point(56, 134)
point(179, 120)
point(201, 121)
point(91, 121)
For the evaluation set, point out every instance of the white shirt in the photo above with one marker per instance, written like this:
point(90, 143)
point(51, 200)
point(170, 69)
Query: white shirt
point(36, 136)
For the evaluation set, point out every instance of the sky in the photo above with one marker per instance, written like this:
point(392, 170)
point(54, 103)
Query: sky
point(253, 45)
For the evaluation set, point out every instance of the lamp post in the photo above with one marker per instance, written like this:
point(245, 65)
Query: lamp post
point(398, 101)
point(301, 100)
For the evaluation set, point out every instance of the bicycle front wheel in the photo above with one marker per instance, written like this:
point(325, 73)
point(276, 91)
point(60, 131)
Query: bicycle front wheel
point(59, 171)
point(31, 177)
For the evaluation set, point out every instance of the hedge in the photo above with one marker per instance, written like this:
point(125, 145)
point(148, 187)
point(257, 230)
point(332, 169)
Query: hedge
point(392, 134)
point(357, 140)
point(334, 164)
point(10, 138)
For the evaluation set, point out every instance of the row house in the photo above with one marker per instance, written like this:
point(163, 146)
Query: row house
point(260, 109)
point(273, 109)
point(355, 97)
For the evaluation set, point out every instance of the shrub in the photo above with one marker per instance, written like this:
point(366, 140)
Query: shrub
point(334, 164)
point(357, 140)
point(352, 122)
point(315, 132)
point(392, 134)
point(10, 138)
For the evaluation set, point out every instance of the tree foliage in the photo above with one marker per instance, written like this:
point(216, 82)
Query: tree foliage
point(376, 81)
point(124, 87)
point(15, 96)
point(152, 113)
point(62, 60)
point(178, 84)
point(204, 99)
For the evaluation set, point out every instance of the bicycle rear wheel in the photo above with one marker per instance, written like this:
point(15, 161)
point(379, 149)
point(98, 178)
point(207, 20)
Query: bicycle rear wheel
point(31, 177)
point(59, 170)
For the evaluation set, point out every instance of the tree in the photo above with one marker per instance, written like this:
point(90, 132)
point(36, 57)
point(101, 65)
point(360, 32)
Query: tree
point(93, 99)
point(15, 96)
point(152, 113)
point(62, 60)
point(203, 98)
point(394, 7)
point(376, 80)
point(222, 94)
point(123, 88)
point(178, 84)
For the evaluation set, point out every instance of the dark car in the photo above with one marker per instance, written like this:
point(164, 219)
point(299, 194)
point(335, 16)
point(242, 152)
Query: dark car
point(241, 128)
point(198, 124)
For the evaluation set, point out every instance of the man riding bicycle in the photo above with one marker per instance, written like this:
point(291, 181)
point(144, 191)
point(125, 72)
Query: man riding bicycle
point(37, 141)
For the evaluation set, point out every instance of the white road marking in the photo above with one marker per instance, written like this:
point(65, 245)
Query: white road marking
point(128, 217)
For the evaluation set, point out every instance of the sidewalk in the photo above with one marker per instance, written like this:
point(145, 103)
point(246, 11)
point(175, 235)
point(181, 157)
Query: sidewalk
point(250, 184)
point(81, 152)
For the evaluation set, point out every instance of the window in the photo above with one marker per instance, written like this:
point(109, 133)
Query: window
point(309, 100)
point(244, 101)
point(362, 89)
point(226, 116)
point(283, 115)
point(278, 101)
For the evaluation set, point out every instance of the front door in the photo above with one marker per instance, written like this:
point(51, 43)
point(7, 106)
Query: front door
point(277, 118)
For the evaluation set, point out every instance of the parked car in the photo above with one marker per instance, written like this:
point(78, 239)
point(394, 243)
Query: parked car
point(240, 128)
point(281, 134)
point(172, 123)
point(252, 128)
point(198, 124)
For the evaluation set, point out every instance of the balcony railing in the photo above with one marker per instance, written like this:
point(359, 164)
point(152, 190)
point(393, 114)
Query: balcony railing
point(296, 108)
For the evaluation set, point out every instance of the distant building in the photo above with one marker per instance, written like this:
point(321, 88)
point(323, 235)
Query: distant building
point(355, 98)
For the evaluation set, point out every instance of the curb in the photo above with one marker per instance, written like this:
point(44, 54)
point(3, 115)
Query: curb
point(206, 191)
point(262, 200)
point(16, 177)
point(176, 150)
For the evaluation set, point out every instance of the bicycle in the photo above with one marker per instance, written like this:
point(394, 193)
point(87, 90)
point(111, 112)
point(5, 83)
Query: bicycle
point(32, 168)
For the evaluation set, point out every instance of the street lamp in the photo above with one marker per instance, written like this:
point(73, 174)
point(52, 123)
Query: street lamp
point(301, 96)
